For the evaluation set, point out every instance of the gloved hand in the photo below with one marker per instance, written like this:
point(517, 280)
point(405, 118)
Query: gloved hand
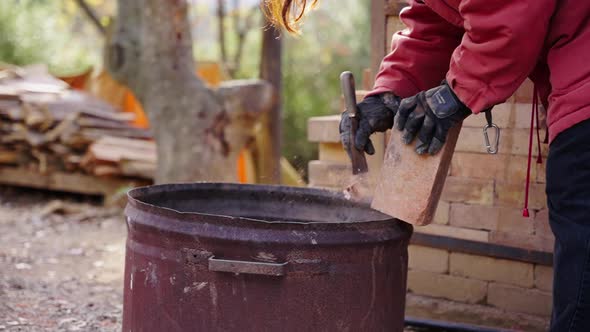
point(375, 114)
point(430, 114)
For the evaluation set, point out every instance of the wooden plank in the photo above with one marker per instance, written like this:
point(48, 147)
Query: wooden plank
point(378, 31)
point(93, 134)
point(9, 157)
point(138, 169)
point(128, 142)
point(114, 153)
point(94, 122)
point(68, 182)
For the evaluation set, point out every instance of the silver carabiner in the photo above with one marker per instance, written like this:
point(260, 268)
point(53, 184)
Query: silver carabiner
point(491, 149)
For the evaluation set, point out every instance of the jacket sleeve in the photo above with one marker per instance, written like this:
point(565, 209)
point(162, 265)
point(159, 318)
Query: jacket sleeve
point(420, 54)
point(501, 46)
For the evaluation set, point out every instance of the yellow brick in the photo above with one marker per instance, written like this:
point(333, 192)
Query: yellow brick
point(333, 152)
point(329, 174)
point(428, 259)
point(471, 140)
point(512, 298)
point(446, 286)
point(522, 118)
point(524, 94)
point(501, 116)
point(474, 216)
point(492, 269)
point(442, 213)
point(501, 167)
point(516, 141)
point(478, 165)
point(468, 190)
point(544, 277)
point(323, 129)
point(454, 232)
point(541, 171)
point(510, 220)
point(513, 195)
point(541, 223)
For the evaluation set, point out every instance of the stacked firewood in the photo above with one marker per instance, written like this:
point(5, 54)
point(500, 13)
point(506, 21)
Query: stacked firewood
point(45, 126)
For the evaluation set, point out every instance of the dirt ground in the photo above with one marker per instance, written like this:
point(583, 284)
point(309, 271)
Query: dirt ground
point(61, 263)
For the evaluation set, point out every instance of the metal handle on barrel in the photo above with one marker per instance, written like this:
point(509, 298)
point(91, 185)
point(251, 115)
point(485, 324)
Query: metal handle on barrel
point(247, 267)
point(357, 157)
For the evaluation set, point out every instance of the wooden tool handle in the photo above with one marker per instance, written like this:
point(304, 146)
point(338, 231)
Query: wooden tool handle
point(359, 162)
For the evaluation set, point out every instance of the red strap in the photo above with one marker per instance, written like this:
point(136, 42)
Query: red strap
point(539, 152)
point(534, 114)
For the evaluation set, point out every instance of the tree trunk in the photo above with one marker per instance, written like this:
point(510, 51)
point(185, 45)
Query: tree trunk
point(151, 52)
point(269, 149)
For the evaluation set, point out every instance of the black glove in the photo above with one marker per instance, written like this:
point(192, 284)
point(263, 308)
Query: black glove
point(430, 114)
point(375, 114)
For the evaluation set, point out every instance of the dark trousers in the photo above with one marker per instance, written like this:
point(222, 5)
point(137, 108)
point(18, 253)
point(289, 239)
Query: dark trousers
point(568, 196)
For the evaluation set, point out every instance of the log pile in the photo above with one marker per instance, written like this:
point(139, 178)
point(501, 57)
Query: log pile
point(47, 127)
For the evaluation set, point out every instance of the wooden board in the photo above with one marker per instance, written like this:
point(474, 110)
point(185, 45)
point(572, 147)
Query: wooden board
point(411, 184)
point(68, 182)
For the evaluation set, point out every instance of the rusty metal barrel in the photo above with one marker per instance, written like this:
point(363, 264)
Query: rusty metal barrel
point(229, 257)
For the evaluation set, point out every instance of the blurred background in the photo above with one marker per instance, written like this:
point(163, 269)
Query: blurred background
point(65, 36)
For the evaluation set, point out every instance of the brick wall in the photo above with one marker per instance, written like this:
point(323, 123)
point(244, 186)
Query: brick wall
point(506, 284)
point(485, 193)
point(481, 203)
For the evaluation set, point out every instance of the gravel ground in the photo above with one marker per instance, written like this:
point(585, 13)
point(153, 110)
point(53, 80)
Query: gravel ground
point(61, 263)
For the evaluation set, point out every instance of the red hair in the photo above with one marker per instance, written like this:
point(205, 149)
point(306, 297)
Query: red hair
point(286, 13)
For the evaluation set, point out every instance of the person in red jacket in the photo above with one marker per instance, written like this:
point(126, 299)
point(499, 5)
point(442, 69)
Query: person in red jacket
point(462, 57)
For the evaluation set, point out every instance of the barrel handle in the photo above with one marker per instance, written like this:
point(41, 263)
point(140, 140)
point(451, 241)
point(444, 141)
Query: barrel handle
point(247, 267)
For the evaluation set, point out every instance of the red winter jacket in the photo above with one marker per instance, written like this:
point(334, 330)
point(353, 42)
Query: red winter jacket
point(487, 48)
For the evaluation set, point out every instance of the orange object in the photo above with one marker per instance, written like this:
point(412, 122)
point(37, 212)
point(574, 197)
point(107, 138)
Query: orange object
point(77, 82)
point(132, 105)
point(241, 168)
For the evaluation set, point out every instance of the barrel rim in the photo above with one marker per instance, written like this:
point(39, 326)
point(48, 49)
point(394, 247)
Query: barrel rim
point(135, 202)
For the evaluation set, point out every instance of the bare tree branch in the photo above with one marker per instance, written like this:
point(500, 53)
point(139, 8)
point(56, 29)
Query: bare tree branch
point(92, 16)
point(221, 32)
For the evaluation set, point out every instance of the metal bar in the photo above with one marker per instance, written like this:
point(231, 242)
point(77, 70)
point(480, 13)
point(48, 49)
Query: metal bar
point(247, 267)
point(448, 326)
point(484, 249)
